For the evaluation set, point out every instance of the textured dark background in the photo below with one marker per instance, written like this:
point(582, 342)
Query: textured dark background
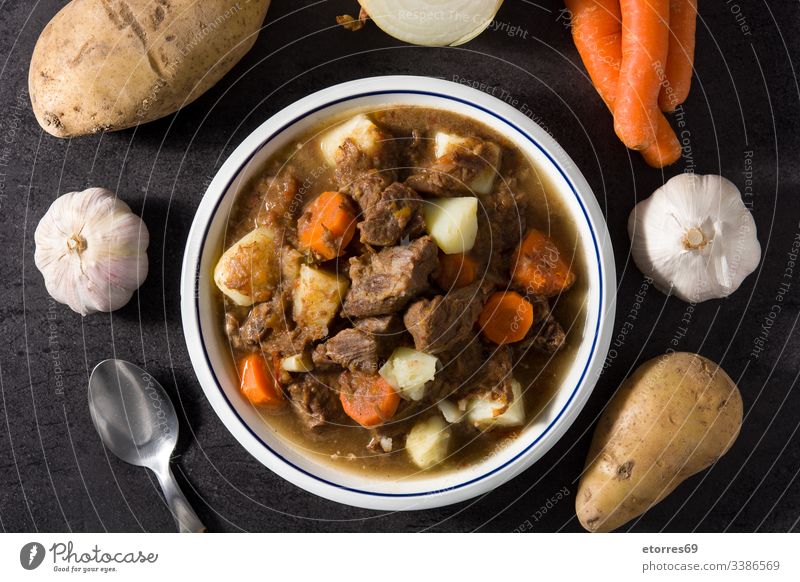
point(54, 473)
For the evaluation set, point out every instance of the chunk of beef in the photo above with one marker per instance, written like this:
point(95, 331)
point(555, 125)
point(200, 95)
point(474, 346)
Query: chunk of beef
point(384, 326)
point(315, 399)
point(496, 373)
point(441, 323)
point(369, 184)
point(550, 337)
point(475, 369)
point(494, 377)
point(460, 369)
point(365, 346)
point(264, 318)
point(390, 215)
point(454, 173)
point(505, 212)
point(385, 282)
point(546, 335)
point(501, 224)
point(353, 349)
point(270, 203)
point(286, 342)
point(353, 166)
point(281, 201)
point(321, 360)
point(232, 331)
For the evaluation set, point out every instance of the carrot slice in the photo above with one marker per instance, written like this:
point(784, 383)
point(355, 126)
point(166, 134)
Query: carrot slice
point(327, 225)
point(645, 42)
point(455, 271)
point(371, 400)
point(506, 317)
point(597, 32)
point(258, 383)
point(680, 57)
point(537, 266)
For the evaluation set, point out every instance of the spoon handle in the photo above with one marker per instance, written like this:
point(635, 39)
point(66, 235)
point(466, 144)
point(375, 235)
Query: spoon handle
point(185, 517)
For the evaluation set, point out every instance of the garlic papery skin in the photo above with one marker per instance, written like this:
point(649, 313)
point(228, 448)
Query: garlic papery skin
point(91, 250)
point(695, 238)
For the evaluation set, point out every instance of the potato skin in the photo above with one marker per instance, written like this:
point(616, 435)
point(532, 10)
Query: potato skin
point(105, 65)
point(673, 417)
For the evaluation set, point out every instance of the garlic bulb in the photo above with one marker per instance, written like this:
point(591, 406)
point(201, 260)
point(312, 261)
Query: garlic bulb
point(695, 238)
point(91, 250)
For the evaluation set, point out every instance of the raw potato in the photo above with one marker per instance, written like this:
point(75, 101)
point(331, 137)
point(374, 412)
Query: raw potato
point(452, 223)
point(249, 272)
point(105, 65)
point(408, 370)
point(428, 442)
point(316, 299)
point(676, 415)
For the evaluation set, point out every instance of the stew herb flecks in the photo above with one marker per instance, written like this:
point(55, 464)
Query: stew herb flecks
point(402, 291)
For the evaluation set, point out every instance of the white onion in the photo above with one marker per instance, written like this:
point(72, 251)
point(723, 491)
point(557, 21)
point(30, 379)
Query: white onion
point(432, 22)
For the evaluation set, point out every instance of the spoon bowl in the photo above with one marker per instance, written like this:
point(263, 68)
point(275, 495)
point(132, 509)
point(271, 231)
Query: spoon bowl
point(137, 422)
point(131, 412)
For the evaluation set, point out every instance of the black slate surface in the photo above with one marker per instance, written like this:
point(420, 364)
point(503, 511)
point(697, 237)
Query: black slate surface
point(54, 473)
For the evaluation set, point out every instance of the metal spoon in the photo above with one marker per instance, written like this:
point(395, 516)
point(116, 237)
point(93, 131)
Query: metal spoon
point(136, 421)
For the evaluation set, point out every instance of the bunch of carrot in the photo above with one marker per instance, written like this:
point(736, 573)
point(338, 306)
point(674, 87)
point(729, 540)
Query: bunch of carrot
point(639, 55)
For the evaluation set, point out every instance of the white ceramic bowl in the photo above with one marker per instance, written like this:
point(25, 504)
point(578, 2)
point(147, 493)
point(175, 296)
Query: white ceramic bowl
point(210, 351)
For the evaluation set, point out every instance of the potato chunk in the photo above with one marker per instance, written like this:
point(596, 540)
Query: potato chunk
point(428, 442)
point(365, 134)
point(450, 410)
point(317, 298)
point(408, 370)
point(483, 412)
point(452, 223)
point(249, 271)
point(297, 363)
point(483, 182)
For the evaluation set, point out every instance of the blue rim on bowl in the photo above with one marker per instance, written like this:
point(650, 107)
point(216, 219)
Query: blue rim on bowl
point(232, 169)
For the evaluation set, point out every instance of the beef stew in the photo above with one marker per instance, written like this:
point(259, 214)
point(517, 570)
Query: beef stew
point(360, 266)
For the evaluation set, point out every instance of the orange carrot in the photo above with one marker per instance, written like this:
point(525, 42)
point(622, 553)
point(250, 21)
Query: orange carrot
point(371, 400)
point(506, 317)
point(597, 32)
point(666, 149)
point(455, 271)
point(258, 383)
point(537, 266)
point(680, 58)
point(645, 41)
point(327, 225)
